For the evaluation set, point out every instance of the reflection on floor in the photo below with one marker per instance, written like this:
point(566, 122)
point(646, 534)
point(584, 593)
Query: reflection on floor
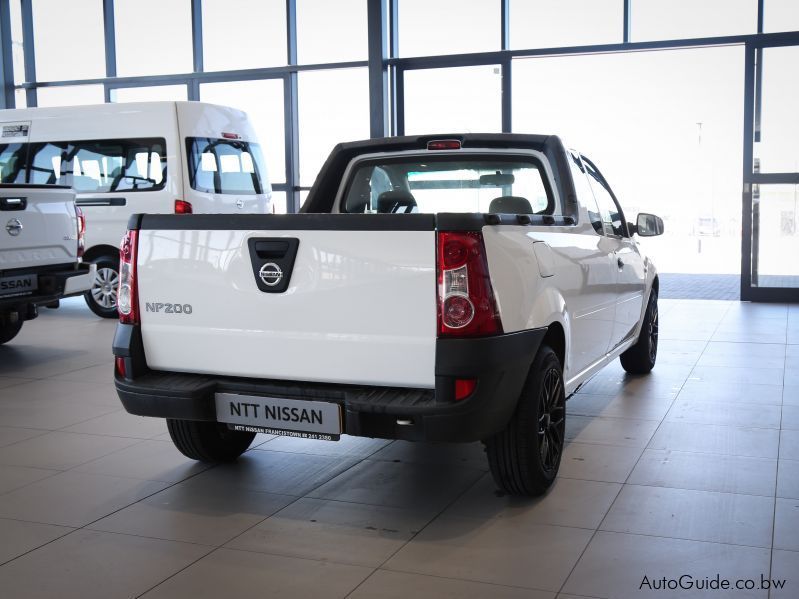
point(699, 286)
point(691, 470)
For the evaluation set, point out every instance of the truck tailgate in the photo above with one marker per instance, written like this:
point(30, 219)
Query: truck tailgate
point(40, 226)
point(359, 307)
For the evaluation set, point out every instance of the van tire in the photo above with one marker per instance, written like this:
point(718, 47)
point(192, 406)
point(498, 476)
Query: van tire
point(107, 275)
point(641, 357)
point(515, 456)
point(8, 328)
point(208, 441)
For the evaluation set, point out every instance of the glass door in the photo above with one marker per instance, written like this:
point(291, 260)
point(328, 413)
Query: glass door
point(770, 239)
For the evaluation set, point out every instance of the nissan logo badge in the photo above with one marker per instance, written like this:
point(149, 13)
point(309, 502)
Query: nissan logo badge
point(270, 274)
point(14, 227)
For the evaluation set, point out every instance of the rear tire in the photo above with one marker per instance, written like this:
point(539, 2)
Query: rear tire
point(208, 441)
point(102, 296)
point(641, 357)
point(525, 457)
point(9, 329)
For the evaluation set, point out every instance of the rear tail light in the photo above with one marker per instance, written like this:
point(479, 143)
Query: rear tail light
point(183, 207)
point(81, 231)
point(120, 366)
point(463, 388)
point(466, 304)
point(128, 294)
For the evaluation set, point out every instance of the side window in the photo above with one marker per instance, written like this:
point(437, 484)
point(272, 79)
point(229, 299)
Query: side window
point(612, 217)
point(584, 193)
point(12, 162)
point(100, 166)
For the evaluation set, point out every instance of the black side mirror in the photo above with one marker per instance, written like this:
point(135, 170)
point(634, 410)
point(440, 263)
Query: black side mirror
point(648, 225)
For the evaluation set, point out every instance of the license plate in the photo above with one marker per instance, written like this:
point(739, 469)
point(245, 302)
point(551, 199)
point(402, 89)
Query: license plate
point(278, 416)
point(21, 285)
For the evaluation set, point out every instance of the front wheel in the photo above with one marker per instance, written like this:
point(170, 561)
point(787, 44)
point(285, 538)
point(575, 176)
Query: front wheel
point(640, 358)
point(525, 457)
point(9, 328)
point(102, 297)
point(208, 441)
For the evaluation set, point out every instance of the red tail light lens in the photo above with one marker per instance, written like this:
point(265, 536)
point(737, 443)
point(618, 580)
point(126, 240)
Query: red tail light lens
point(128, 294)
point(120, 365)
point(463, 388)
point(466, 303)
point(183, 207)
point(81, 231)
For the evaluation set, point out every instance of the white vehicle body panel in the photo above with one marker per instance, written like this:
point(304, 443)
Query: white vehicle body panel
point(174, 122)
point(360, 307)
point(45, 232)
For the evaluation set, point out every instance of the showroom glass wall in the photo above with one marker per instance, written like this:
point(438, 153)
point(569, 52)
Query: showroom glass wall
point(665, 122)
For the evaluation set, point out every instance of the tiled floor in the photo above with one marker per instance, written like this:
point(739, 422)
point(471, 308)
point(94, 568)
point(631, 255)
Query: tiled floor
point(692, 470)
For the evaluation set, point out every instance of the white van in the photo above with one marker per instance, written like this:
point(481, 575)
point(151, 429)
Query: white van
point(124, 159)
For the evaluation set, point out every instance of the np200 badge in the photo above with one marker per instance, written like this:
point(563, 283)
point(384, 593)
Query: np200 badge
point(169, 308)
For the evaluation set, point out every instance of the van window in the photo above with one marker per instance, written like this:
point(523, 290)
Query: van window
point(12, 162)
point(226, 166)
point(100, 166)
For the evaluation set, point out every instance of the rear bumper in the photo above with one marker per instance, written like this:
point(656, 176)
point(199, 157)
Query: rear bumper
point(53, 284)
point(500, 364)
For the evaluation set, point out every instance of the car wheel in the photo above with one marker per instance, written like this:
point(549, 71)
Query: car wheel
point(208, 441)
point(525, 457)
point(641, 357)
point(102, 297)
point(9, 328)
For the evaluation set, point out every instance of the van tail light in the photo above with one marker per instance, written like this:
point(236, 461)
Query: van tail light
point(466, 303)
point(183, 207)
point(128, 294)
point(81, 231)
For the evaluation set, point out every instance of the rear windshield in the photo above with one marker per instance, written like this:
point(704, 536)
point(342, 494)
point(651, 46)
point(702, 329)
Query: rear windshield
point(446, 184)
point(226, 166)
point(101, 166)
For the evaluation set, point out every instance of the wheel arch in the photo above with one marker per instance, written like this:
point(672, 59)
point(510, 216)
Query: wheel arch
point(99, 251)
point(556, 339)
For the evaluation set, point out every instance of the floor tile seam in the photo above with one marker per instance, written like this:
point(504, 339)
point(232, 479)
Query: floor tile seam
point(615, 499)
point(69, 532)
point(777, 478)
point(678, 538)
point(418, 532)
point(439, 577)
point(85, 526)
point(51, 475)
point(707, 491)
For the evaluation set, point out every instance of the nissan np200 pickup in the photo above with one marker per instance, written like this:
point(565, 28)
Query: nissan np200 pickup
point(442, 288)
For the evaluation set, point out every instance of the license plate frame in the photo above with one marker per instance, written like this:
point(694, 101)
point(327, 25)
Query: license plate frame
point(16, 290)
point(305, 419)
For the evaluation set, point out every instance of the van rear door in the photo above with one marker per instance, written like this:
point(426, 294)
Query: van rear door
point(224, 167)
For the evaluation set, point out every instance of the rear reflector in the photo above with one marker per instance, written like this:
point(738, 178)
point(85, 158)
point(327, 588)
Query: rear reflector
point(120, 365)
point(463, 388)
point(444, 144)
point(183, 207)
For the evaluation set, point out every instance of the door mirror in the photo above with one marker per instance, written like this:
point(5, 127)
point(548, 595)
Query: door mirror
point(649, 225)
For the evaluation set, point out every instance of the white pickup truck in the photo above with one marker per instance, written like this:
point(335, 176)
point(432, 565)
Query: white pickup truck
point(452, 288)
point(40, 252)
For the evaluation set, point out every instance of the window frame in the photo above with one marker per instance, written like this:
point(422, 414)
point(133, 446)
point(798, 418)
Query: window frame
point(600, 180)
point(536, 158)
point(264, 186)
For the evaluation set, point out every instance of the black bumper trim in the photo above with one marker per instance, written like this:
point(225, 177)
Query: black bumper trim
point(52, 282)
point(500, 364)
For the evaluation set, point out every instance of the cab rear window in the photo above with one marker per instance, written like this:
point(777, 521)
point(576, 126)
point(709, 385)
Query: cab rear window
point(450, 184)
point(226, 166)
